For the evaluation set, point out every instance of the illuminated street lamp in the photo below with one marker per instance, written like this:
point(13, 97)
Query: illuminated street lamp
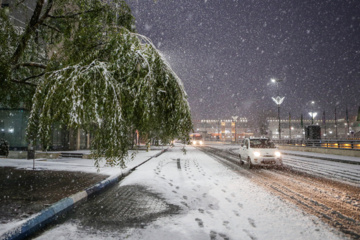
point(312, 115)
point(278, 100)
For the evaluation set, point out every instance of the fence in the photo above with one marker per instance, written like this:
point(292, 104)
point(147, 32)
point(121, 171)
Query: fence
point(350, 144)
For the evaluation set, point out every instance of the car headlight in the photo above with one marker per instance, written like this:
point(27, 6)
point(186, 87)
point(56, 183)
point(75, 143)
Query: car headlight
point(257, 154)
point(277, 154)
point(194, 142)
point(201, 142)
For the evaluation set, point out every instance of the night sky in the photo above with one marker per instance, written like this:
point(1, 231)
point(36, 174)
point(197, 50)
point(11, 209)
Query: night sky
point(226, 52)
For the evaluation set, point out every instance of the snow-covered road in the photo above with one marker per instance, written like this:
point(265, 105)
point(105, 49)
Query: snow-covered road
point(320, 187)
point(314, 163)
point(214, 202)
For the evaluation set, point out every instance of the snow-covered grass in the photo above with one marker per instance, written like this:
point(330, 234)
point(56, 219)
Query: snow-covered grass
point(70, 164)
point(217, 203)
point(78, 164)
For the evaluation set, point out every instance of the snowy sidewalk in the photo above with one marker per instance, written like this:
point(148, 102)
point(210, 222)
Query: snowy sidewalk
point(78, 166)
point(216, 202)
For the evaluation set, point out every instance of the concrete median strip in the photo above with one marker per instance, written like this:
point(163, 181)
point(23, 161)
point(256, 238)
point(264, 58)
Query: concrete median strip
point(38, 221)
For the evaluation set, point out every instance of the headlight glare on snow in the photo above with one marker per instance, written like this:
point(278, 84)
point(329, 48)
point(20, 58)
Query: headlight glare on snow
point(277, 154)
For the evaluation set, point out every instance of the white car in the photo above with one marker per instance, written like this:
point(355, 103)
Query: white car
point(259, 152)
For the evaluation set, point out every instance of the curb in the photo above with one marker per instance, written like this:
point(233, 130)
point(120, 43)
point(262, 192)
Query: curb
point(324, 158)
point(49, 214)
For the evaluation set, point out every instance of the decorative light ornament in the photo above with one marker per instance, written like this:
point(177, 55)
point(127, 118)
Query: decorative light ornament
point(313, 114)
point(278, 100)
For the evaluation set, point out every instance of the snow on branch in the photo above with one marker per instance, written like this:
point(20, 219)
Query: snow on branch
point(130, 87)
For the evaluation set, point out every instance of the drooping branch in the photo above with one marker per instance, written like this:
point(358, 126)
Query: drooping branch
point(30, 64)
point(74, 14)
point(32, 77)
point(26, 83)
point(130, 88)
point(51, 27)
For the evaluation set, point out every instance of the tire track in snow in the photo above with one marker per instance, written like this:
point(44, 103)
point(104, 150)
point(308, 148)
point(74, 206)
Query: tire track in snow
point(325, 169)
point(336, 203)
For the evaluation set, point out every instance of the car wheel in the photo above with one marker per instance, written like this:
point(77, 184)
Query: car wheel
point(248, 164)
point(240, 162)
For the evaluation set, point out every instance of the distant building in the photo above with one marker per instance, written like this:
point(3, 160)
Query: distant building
point(230, 130)
point(223, 129)
point(292, 129)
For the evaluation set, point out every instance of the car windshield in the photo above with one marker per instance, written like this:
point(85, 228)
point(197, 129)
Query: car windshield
point(261, 143)
point(197, 137)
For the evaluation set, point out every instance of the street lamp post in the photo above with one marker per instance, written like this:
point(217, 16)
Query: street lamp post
point(235, 119)
point(278, 100)
point(312, 105)
point(336, 133)
point(312, 115)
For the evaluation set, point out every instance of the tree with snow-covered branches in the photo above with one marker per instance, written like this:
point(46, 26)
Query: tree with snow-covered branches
point(80, 63)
